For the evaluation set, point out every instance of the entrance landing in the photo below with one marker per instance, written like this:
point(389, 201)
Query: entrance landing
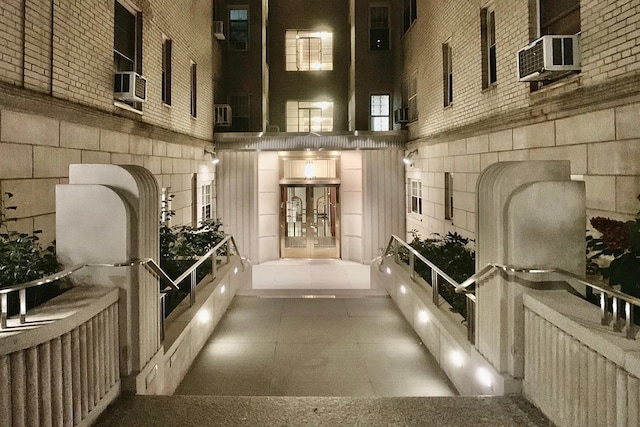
point(311, 274)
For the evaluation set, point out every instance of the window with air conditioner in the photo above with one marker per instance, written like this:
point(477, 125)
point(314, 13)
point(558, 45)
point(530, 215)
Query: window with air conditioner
point(380, 112)
point(379, 27)
point(488, 45)
point(307, 50)
point(129, 84)
point(239, 28)
point(410, 13)
point(309, 116)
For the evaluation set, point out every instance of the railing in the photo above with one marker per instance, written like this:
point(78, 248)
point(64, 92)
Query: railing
point(228, 242)
point(613, 303)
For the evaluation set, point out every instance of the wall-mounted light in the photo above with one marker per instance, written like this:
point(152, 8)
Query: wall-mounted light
point(407, 159)
point(214, 157)
point(309, 170)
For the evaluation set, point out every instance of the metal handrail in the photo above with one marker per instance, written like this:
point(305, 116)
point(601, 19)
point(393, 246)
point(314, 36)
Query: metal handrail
point(150, 263)
point(620, 324)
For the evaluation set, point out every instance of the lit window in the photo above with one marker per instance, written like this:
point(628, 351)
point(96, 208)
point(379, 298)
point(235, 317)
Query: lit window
point(308, 50)
point(447, 73)
point(194, 90)
point(166, 71)
point(448, 195)
point(380, 112)
point(206, 202)
point(416, 196)
point(379, 28)
point(165, 205)
point(239, 29)
point(305, 116)
point(241, 112)
point(488, 30)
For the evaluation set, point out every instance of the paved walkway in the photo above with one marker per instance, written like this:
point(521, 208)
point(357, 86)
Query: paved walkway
point(314, 347)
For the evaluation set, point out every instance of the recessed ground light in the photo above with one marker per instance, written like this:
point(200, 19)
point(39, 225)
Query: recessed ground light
point(204, 316)
point(403, 289)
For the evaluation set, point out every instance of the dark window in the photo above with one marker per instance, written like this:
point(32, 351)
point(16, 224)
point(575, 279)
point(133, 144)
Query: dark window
point(194, 90)
point(240, 107)
point(379, 28)
point(166, 71)
point(239, 29)
point(448, 195)
point(488, 31)
point(410, 13)
point(124, 39)
point(559, 17)
point(447, 74)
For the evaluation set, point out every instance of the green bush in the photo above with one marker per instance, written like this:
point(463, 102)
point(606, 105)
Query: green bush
point(453, 256)
point(22, 259)
point(180, 247)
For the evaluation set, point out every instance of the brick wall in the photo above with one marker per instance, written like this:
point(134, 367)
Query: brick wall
point(590, 118)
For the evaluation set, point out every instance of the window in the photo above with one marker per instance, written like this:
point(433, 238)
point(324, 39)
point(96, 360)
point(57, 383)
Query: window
point(380, 112)
point(194, 89)
point(166, 71)
point(488, 31)
point(416, 196)
point(447, 74)
point(308, 50)
point(240, 109)
point(239, 28)
point(409, 91)
point(127, 40)
point(410, 13)
point(205, 199)
point(448, 195)
point(305, 116)
point(559, 16)
point(379, 28)
point(165, 205)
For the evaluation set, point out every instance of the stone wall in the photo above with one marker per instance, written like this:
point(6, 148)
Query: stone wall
point(589, 118)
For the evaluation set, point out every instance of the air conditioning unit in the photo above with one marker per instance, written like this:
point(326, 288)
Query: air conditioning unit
point(549, 57)
point(272, 129)
point(129, 86)
point(401, 115)
point(218, 30)
point(222, 115)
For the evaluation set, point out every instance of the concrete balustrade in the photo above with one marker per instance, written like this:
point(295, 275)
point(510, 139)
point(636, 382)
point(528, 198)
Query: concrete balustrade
point(62, 367)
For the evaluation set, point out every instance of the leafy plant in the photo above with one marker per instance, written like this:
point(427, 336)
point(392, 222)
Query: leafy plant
point(616, 253)
point(452, 255)
point(22, 259)
point(181, 246)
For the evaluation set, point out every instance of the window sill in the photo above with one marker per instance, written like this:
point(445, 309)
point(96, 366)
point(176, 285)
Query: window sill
point(491, 88)
point(165, 105)
point(127, 107)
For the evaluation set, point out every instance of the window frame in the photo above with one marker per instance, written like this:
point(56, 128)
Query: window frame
point(135, 62)
point(235, 45)
point(386, 27)
point(193, 91)
point(373, 116)
point(447, 73)
point(448, 196)
point(206, 197)
point(293, 50)
point(409, 14)
point(314, 106)
point(415, 196)
point(546, 28)
point(488, 46)
point(166, 70)
point(236, 111)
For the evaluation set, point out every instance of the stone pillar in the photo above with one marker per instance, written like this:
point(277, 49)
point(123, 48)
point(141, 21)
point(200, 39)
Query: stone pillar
point(529, 215)
point(110, 214)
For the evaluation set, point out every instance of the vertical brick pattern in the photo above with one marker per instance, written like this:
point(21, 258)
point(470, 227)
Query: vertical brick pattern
point(37, 46)
point(11, 41)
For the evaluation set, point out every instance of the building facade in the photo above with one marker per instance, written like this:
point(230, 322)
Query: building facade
point(58, 103)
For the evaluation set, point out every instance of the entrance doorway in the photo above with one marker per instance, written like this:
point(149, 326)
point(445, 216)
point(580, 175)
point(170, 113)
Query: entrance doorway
point(309, 221)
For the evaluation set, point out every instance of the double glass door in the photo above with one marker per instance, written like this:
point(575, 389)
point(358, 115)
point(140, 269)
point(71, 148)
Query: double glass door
point(309, 221)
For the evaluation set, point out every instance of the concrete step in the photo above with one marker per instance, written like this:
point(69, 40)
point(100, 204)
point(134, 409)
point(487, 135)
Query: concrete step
point(167, 411)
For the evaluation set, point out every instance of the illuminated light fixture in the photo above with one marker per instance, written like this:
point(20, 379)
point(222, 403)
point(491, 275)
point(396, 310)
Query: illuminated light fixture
point(309, 170)
point(324, 105)
point(214, 157)
point(223, 289)
point(484, 377)
point(388, 270)
point(407, 159)
point(204, 316)
point(457, 359)
point(235, 270)
point(423, 316)
point(316, 66)
point(403, 290)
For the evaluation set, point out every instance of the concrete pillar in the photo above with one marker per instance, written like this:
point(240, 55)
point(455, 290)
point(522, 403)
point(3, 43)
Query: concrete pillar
point(530, 215)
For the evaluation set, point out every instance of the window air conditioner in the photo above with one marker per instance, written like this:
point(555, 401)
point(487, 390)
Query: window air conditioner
point(273, 128)
point(401, 115)
point(222, 115)
point(218, 30)
point(549, 57)
point(129, 86)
